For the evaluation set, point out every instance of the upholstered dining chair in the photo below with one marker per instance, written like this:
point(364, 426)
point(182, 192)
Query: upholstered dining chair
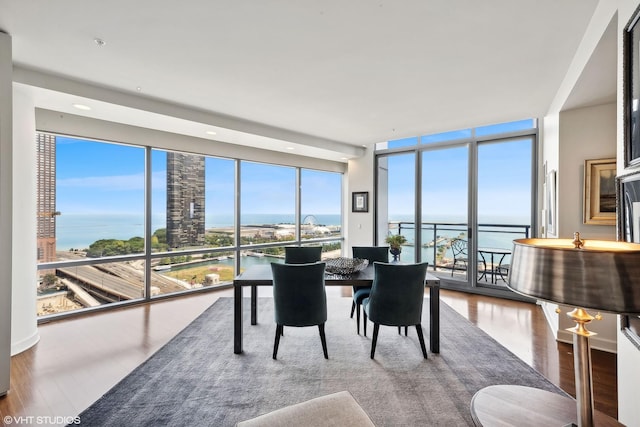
point(396, 299)
point(302, 254)
point(372, 254)
point(299, 299)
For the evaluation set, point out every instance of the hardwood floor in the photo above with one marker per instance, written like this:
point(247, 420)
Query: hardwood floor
point(77, 360)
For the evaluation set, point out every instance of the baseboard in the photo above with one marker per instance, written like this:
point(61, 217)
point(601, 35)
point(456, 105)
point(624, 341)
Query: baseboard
point(595, 342)
point(25, 344)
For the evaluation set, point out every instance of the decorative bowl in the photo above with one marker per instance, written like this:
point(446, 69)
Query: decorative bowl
point(345, 266)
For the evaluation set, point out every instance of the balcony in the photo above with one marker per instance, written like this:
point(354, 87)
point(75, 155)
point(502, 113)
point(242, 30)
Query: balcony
point(437, 248)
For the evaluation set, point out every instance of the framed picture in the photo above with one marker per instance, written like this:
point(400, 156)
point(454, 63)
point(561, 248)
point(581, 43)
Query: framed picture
point(551, 202)
point(599, 207)
point(360, 201)
point(629, 231)
point(631, 90)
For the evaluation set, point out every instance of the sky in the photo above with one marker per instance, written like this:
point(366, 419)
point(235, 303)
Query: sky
point(99, 178)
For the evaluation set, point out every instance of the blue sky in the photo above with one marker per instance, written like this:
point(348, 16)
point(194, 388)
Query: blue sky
point(109, 178)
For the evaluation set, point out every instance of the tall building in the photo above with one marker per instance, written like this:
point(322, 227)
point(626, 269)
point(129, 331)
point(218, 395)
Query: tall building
point(46, 194)
point(185, 200)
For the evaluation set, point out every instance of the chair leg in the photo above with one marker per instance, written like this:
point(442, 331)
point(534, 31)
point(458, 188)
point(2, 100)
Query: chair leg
point(277, 341)
point(399, 330)
point(421, 338)
point(358, 319)
point(376, 326)
point(353, 308)
point(364, 322)
point(324, 340)
point(405, 330)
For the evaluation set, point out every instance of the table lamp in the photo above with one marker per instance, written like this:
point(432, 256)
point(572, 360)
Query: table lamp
point(594, 274)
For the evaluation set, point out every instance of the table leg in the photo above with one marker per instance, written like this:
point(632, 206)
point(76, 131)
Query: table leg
point(434, 324)
point(484, 264)
point(237, 319)
point(493, 270)
point(254, 305)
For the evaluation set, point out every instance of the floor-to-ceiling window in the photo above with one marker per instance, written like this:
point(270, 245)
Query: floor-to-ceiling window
point(119, 223)
point(473, 192)
point(396, 211)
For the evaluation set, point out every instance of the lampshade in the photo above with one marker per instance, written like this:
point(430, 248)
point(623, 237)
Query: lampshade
point(601, 275)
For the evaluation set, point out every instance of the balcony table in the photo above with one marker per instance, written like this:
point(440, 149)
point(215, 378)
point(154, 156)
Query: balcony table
point(260, 275)
point(492, 252)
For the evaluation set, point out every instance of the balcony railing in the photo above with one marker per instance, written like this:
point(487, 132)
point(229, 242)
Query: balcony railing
point(436, 238)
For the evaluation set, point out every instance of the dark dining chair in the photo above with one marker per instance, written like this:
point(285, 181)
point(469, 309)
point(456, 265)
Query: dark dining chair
point(372, 254)
point(299, 299)
point(302, 254)
point(396, 299)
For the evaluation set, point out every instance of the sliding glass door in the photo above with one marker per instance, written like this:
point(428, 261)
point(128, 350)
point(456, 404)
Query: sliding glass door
point(396, 208)
point(504, 204)
point(445, 206)
point(460, 199)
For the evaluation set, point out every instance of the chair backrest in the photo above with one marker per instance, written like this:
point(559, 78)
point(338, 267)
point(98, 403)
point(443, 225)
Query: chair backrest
point(302, 254)
point(458, 247)
point(397, 294)
point(371, 253)
point(299, 295)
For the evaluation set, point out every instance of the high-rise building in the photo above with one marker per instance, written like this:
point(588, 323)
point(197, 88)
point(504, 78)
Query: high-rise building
point(46, 194)
point(185, 200)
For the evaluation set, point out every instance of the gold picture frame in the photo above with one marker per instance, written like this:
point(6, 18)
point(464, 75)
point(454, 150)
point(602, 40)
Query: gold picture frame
point(600, 192)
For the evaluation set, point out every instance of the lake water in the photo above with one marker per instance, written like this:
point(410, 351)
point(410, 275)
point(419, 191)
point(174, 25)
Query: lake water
point(81, 230)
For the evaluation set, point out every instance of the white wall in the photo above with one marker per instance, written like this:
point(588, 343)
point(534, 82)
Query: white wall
point(359, 225)
point(24, 325)
point(6, 170)
point(585, 134)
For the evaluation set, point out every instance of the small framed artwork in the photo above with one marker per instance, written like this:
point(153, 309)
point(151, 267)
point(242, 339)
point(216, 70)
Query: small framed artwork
point(360, 201)
point(600, 192)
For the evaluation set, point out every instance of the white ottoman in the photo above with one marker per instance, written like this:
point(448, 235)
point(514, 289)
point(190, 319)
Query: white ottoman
point(337, 409)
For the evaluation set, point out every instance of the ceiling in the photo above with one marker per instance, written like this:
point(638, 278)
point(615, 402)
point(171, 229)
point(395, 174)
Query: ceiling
point(319, 77)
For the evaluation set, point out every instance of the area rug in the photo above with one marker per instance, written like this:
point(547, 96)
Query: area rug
point(197, 380)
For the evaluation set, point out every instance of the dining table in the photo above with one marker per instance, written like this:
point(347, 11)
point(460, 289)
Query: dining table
point(260, 275)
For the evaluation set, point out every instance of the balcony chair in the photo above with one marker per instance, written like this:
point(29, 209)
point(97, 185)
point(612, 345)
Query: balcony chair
point(396, 298)
point(302, 254)
point(299, 299)
point(372, 254)
point(459, 250)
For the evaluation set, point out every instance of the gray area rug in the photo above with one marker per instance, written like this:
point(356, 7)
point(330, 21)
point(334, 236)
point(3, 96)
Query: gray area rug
point(197, 380)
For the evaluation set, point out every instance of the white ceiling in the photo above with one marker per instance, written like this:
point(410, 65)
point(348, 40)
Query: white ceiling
point(320, 77)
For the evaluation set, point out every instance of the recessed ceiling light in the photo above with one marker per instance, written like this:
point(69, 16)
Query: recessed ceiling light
point(290, 148)
point(82, 107)
point(211, 132)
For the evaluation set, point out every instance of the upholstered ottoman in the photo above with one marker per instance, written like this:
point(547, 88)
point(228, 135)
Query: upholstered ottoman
point(337, 409)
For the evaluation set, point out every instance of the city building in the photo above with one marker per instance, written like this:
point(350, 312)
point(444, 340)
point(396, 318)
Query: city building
point(185, 200)
point(46, 213)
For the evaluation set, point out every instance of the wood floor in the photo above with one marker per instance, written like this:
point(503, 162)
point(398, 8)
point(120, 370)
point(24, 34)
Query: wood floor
point(77, 360)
